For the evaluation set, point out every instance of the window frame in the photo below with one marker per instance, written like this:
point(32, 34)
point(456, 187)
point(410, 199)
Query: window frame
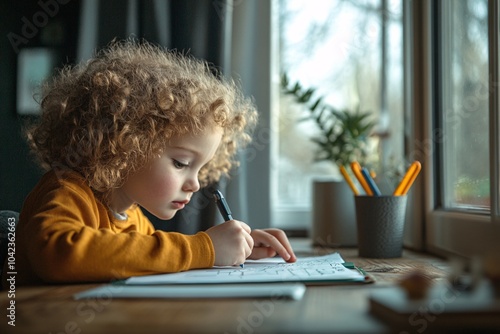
point(453, 232)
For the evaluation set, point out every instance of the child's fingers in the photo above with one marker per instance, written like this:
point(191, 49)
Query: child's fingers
point(232, 242)
point(275, 239)
point(262, 252)
point(245, 227)
point(283, 242)
point(250, 244)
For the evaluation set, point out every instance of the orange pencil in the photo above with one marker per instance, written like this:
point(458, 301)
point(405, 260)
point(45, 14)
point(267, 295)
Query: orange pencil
point(343, 171)
point(356, 169)
point(408, 179)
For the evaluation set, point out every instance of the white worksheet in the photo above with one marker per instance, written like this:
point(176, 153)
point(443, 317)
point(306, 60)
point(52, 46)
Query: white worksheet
point(327, 268)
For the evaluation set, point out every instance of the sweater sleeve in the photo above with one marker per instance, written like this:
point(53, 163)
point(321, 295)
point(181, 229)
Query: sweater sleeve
point(73, 240)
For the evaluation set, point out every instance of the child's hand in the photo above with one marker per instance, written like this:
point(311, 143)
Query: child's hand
point(269, 242)
point(232, 242)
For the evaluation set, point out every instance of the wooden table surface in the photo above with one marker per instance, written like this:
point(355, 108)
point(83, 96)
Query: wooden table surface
point(323, 309)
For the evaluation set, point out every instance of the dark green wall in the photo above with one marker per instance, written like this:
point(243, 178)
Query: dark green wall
point(56, 27)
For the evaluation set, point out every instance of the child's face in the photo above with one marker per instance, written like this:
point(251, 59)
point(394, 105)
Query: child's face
point(167, 183)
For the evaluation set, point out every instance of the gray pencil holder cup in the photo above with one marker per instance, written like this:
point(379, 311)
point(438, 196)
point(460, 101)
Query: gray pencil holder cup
point(380, 225)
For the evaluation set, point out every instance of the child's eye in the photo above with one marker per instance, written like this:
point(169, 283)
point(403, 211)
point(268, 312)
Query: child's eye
point(178, 164)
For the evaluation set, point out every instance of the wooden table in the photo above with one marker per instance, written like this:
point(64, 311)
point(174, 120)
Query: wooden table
point(323, 309)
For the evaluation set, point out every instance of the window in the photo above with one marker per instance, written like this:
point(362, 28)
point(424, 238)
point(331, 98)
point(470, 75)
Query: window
point(350, 53)
point(464, 100)
point(434, 95)
point(462, 191)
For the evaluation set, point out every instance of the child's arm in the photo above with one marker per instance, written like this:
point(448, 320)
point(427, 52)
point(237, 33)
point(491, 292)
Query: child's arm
point(269, 242)
point(66, 251)
point(65, 235)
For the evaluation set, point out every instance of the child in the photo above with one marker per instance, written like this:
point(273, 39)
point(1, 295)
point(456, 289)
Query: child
point(135, 126)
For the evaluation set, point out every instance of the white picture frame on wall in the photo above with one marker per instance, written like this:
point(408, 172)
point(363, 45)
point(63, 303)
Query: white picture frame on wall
point(33, 67)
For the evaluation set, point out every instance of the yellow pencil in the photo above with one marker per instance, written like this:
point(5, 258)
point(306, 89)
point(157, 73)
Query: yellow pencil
point(408, 179)
point(348, 180)
point(356, 169)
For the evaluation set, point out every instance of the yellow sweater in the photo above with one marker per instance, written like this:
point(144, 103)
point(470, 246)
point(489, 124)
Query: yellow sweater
point(65, 234)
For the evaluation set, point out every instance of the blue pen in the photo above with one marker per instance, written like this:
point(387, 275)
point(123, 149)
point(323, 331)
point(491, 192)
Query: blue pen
point(370, 182)
point(223, 208)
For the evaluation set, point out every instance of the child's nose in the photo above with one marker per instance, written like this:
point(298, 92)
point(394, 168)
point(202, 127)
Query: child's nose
point(192, 184)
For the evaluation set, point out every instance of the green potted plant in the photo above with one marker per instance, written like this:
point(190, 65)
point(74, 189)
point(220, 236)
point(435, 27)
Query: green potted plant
point(342, 138)
point(343, 134)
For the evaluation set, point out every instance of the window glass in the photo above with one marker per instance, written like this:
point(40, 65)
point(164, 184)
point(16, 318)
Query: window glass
point(350, 53)
point(464, 60)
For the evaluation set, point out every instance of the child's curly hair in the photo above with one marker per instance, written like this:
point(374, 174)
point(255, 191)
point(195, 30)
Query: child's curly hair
point(107, 117)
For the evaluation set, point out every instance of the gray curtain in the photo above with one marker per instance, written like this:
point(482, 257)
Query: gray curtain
point(252, 62)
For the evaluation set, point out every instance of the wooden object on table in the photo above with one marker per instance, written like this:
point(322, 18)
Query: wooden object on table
point(444, 309)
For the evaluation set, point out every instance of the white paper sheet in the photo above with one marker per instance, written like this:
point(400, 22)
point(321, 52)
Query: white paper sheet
point(293, 291)
point(327, 268)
